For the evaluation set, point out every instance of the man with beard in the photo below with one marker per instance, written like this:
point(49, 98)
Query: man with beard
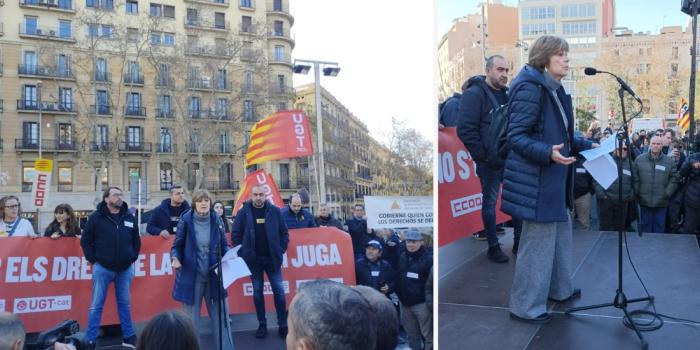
point(325, 218)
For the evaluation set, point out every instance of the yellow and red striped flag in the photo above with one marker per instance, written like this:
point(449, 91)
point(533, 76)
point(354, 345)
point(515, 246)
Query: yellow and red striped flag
point(683, 115)
point(258, 177)
point(284, 134)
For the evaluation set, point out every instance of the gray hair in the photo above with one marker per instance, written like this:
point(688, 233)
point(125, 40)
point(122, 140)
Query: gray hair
point(11, 330)
point(294, 196)
point(544, 48)
point(331, 315)
point(489, 61)
point(385, 316)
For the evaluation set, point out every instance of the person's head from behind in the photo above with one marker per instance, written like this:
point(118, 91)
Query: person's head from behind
point(385, 317)
point(172, 330)
point(497, 71)
point(177, 195)
point(330, 315)
point(11, 332)
point(550, 53)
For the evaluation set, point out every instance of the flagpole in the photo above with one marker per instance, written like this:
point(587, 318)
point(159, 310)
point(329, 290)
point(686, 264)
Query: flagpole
point(318, 187)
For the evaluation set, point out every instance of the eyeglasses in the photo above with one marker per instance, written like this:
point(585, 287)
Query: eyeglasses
point(12, 206)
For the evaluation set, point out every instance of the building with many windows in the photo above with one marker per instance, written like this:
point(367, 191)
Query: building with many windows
point(117, 90)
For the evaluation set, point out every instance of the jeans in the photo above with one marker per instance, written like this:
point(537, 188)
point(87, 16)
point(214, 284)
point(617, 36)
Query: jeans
point(490, 180)
point(101, 277)
point(201, 290)
point(274, 275)
point(653, 219)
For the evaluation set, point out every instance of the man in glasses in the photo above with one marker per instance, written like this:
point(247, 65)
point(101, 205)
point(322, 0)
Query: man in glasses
point(612, 212)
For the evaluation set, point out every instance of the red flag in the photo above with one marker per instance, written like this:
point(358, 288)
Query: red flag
point(254, 178)
point(284, 134)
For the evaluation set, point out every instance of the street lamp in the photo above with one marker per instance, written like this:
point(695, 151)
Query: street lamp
point(330, 69)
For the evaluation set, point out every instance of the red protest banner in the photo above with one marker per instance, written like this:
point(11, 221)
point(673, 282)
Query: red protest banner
point(459, 190)
point(283, 134)
point(45, 281)
point(258, 177)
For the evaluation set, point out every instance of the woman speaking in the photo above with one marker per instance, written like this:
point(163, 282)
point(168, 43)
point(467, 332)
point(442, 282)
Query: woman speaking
point(199, 244)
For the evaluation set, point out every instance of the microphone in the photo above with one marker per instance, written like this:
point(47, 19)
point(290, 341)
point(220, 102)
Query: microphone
point(623, 84)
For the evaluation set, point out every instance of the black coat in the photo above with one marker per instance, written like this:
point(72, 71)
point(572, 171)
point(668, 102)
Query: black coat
point(392, 250)
point(692, 192)
point(474, 120)
point(56, 227)
point(243, 233)
point(363, 273)
point(583, 181)
point(449, 111)
point(357, 228)
point(111, 243)
point(329, 221)
point(414, 269)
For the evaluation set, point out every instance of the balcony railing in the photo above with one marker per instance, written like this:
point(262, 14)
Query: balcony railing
point(282, 90)
point(278, 7)
point(45, 33)
point(210, 148)
point(165, 113)
point(31, 144)
point(61, 5)
point(101, 146)
point(222, 185)
point(100, 76)
point(247, 28)
point(135, 147)
point(283, 58)
point(250, 88)
point(134, 79)
point(224, 3)
point(135, 111)
point(45, 106)
point(166, 148)
point(207, 51)
point(45, 71)
point(212, 114)
point(104, 5)
point(101, 109)
point(249, 55)
point(283, 34)
point(165, 82)
point(208, 84)
point(198, 23)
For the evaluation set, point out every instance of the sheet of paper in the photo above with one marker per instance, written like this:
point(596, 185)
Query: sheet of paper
point(606, 147)
point(231, 253)
point(234, 269)
point(603, 170)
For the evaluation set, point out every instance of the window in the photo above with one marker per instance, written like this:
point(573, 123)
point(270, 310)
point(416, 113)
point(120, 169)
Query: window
point(168, 11)
point(163, 74)
point(132, 35)
point(537, 12)
point(279, 28)
point(585, 27)
point(169, 39)
point(133, 71)
point(93, 30)
point(674, 52)
point(222, 108)
point(103, 177)
point(194, 107)
point(279, 53)
point(132, 6)
point(277, 5)
point(226, 177)
point(247, 3)
point(165, 140)
point(248, 81)
point(578, 10)
point(65, 135)
point(221, 82)
point(28, 174)
point(248, 112)
point(133, 136)
point(64, 29)
point(30, 134)
point(134, 171)
point(158, 10)
point(246, 24)
point(29, 97)
point(280, 82)
point(166, 176)
point(164, 107)
point(107, 31)
point(102, 135)
point(65, 98)
point(284, 176)
point(224, 146)
point(674, 69)
point(538, 28)
point(63, 65)
point(65, 177)
point(31, 24)
point(30, 61)
point(155, 38)
point(219, 20)
point(281, 106)
point(133, 103)
point(101, 69)
point(192, 17)
point(102, 102)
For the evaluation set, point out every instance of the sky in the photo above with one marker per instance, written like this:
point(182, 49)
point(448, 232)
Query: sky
point(386, 52)
point(639, 16)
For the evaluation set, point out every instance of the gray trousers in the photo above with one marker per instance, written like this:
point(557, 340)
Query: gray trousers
point(417, 320)
point(543, 268)
point(583, 210)
point(201, 290)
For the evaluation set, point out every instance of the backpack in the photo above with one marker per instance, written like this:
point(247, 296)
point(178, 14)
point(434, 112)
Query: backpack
point(496, 143)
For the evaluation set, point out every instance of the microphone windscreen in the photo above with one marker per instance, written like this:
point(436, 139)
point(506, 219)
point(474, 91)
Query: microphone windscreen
point(590, 71)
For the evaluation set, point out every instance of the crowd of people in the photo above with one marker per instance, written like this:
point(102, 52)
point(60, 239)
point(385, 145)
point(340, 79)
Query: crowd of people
point(393, 270)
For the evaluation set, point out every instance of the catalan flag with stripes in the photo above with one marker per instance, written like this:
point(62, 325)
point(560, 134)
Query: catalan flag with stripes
point(258, 177)
point(284, 134)
point(683, 115)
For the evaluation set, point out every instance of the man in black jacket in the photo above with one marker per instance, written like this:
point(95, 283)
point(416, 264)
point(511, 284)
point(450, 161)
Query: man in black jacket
point(357, 228)
point(111, 243)
point(165, 217)
point(414, 268)
point(483, 94)
point(691, 171)
point(373, 271)
point(325, 218)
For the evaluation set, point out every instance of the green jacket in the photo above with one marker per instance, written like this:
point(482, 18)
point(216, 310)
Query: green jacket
point(655, 179)
point(612, 194)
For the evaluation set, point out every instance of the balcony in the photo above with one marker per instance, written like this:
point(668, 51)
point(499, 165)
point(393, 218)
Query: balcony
point(198, 23)
point(247, 29)
point(283, 35)
point(286, 91)
point(162, 113)
point(204, 51)
point(285, 59)
point(211, 148)
point(102, 77)
point(133, 79)
point(222, 185)
point(280, 9)
point(45, 33)
point(134, 112)
point(250, 117)
point(51, 5)
point(220, 115)
point(105, 110)
point(208, 84)
point(32, 144)
point(249, 55)
point(166, 148)
point(220, 3)
point(32, 70)
point(250, 89)
point(49, 107)
point(163, 82)
point(104, 147)
point(135, 147)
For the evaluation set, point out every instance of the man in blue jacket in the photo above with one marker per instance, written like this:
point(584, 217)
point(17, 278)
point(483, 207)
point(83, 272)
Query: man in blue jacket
point(414, 269)
point(373, 271)
point(165, 217)
point(295, 216)
point(262, 234)
point(111, 243)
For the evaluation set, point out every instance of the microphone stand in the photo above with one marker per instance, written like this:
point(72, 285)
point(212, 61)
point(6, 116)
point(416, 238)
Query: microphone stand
point(221, 301)
point(621, 300)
